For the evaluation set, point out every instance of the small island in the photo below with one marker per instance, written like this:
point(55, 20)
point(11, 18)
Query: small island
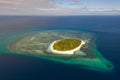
point(77, 48)
point(66, 46)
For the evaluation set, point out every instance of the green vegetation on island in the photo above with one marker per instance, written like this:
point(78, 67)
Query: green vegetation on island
point(66, 44)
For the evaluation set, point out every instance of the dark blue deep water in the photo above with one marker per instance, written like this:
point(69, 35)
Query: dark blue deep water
point(18, 67)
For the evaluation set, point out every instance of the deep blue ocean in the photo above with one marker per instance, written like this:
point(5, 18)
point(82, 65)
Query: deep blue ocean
point(19, 67)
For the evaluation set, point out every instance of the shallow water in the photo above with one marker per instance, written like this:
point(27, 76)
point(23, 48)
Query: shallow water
point(19, 67)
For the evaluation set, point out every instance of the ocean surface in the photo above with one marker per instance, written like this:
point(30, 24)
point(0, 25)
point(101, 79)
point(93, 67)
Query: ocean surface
point(19, 67)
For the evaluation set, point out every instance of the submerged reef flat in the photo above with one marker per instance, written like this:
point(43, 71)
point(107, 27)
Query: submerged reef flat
point(81, 44)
